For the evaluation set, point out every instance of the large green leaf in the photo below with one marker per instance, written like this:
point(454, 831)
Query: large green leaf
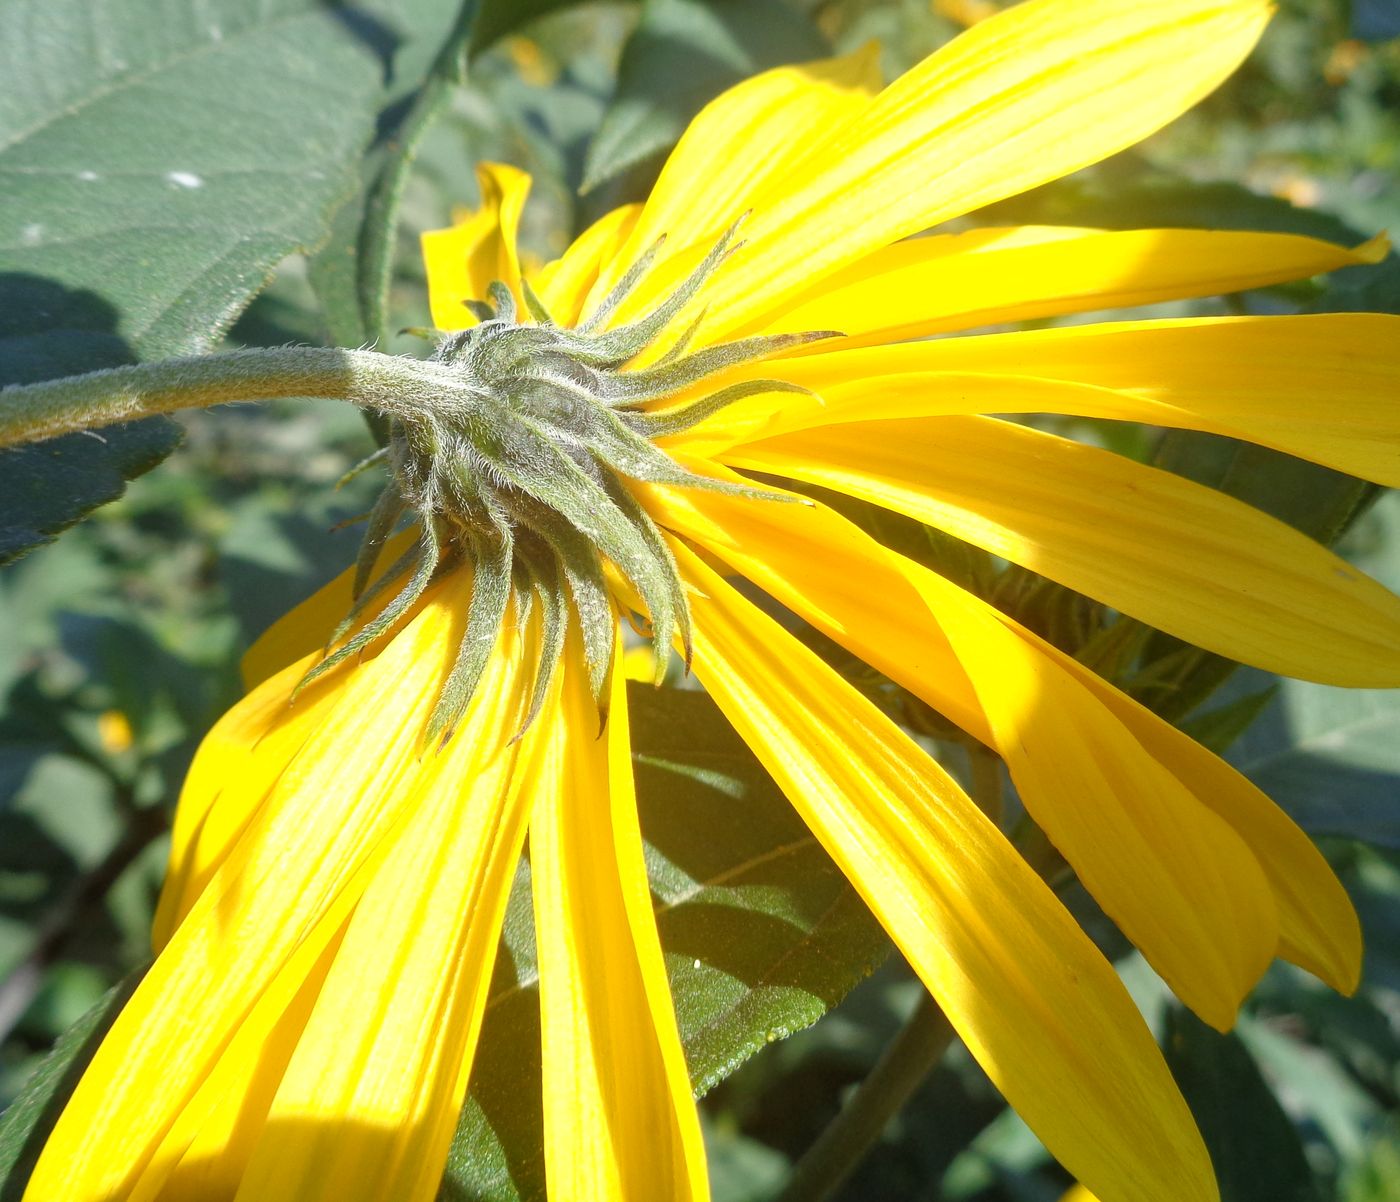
point(1256, 1151)
point(158, 159)
point(27, 1121)
point(762, 935)
point(683, 54)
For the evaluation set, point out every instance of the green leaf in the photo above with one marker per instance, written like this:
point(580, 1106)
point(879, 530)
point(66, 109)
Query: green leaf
point(157, 164)
point(762, 935)
point(1331, 758)
point(683, 54)
point(497, 19)
point(1256, 1151)
point(26, 1123)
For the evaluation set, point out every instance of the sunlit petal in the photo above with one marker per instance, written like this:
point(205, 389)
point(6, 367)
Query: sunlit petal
point(564, 284)
point(295, 875)
point(464, 259)
point(1033, 999)
point(369, 1101)
point(957, 281)
point(1316, 386)
point(619, 1119)
point(1182, 557)
point(886, 609)
point(1035, 92)
point(1161, 863)
point(783, 117)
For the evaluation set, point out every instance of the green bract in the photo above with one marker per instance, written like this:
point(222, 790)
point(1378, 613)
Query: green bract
point(523, 474)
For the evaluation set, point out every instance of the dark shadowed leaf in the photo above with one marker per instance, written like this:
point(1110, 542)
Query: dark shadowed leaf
point(1255, 1149)
point(682, 55)
point(158, 159)
point(762, 935)
point(1331, 758)
point(50, 485)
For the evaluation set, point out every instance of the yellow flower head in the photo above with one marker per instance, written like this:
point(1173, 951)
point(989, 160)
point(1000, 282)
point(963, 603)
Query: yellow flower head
point(349, 832)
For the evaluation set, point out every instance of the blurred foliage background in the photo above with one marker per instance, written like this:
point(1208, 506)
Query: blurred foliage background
point(121, 638)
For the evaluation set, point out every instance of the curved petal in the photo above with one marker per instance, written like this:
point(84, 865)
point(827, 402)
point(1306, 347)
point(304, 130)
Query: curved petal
point(235, 769)
point(1033, 93)
point(203, 1155)
point(1318, 926)
point(564, 284)
point(1317, 386)
point(957, 281)
point(1174, 876)
point(371, 1096)
point(833, 574)
point(779, 118)
point(284, 891)
point(1184, 558)
point(464, 259)
point(1163, 866)
point(620, 1122)
point(803, 555)
point(241, 758)
point(1033, 999)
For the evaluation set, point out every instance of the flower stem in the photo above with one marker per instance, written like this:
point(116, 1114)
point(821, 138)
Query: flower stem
point(903, 1067)
point(384, 383)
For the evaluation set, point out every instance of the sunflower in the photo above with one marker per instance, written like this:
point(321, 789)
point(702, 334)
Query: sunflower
point(349, 832)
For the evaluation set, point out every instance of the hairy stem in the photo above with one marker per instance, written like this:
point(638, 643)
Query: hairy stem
point(904, 1066)
point(383, 383)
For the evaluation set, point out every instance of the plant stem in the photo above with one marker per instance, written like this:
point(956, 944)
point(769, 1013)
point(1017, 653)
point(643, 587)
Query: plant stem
point(903, 1067)
point(384, 383)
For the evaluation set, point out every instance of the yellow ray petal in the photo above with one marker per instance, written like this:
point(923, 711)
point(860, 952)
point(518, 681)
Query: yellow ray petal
point(888, 610)
point(803, 556)
point(235, 769)
point(1033, 999)
point(464, 259)
point(294, 875)
point(1034, 93)
point(1161, 864)
point(1316, 386)
point(1318, 927)
point(779, 118)
point(1174, 877)
point(202, 1157)
point(241, 758)
point(957, 281)
point(564, 284)
point(370, 1099)
point(1184, 558)
point(620, 1122)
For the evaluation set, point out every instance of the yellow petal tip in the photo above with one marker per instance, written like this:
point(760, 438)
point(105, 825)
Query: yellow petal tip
point(1373, 250)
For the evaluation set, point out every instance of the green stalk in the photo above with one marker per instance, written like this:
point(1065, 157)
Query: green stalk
point(904, 1066)
point(383, 383)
